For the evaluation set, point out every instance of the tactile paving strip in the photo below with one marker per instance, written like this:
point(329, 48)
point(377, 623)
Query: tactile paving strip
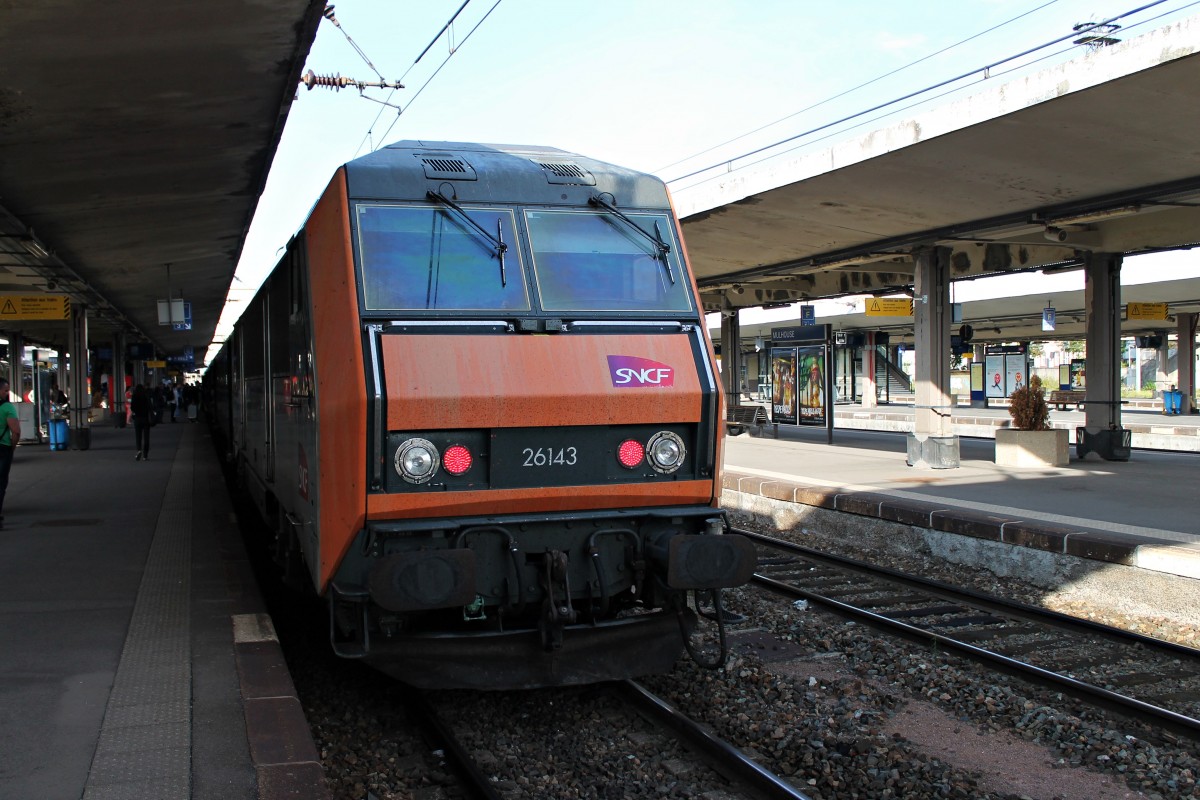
point(144, 751)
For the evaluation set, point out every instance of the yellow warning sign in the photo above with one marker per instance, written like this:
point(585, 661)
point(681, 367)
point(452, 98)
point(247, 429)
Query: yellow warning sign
point(35, 306)
point(1145, 311)
point(894, 307)
point(156, 364)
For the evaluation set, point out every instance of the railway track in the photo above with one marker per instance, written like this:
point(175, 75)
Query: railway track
point(1144, 678)
point(627, 706)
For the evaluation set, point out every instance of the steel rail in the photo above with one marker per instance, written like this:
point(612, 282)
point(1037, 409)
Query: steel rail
point(728, 760)
point(1105, 698)
point(475, 783)
point(976, 598)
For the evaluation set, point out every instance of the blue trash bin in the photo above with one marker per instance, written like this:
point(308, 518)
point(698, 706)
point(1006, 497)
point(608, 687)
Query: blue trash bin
point(59, 434)
point(1172, 402)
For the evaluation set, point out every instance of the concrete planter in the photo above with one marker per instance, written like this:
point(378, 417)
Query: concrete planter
point(1016, 448)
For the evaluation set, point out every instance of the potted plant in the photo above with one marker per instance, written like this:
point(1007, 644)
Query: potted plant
point(1031, 441)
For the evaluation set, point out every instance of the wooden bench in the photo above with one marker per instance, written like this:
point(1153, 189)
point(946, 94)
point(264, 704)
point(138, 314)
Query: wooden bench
point(1060, 398)
point(740, 418)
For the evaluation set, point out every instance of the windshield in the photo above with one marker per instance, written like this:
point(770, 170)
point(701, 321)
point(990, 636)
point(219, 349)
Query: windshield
point(416, 258)
point(588, 261)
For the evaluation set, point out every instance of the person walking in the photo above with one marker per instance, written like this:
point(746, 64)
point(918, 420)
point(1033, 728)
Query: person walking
point(142, 411)
point(10, 434)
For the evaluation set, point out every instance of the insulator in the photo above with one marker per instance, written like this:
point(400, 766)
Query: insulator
point(335, 82)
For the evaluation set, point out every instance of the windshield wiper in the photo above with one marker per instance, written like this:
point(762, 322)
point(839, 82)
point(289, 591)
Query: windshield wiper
point(661, 247)
point(497, 241)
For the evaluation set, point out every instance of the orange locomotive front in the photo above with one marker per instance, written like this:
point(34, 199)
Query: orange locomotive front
point(478, 403)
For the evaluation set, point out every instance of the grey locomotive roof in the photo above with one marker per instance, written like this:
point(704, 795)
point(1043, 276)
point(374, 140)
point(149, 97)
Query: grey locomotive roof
point(497, 173)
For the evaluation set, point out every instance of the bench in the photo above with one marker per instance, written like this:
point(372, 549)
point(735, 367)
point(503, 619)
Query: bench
point(1060, 398)
point(739, 418)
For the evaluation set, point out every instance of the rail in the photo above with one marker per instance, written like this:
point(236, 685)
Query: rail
point(967, 601)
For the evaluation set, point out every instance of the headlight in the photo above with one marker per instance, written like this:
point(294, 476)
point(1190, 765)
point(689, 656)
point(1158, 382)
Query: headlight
point(665, 452)
point(417, 460)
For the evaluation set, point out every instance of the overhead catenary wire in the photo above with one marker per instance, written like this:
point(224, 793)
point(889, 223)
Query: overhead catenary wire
point(444, 62)
point(855, 88)
point(985, 70)
point(866, 121)
point(329, 15)
point(370, 128)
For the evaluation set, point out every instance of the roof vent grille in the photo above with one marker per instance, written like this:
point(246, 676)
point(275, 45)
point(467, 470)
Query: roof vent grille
point(447, 168)
point(565, 173)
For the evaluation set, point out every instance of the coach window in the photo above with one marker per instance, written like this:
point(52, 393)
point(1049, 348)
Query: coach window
point(587, 261)
point(420, 258)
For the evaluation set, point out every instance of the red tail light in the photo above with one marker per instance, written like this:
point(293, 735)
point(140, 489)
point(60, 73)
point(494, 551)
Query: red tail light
point(457, 459)
point(630, 453)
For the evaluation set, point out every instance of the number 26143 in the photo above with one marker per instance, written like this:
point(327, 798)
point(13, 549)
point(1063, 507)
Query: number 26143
point(550, 457)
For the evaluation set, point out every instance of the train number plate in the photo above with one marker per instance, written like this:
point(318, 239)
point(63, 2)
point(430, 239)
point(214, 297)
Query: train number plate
point(546, 456)
point(549, 457)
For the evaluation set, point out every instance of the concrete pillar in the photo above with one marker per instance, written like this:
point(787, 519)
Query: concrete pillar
point(1102, 433)
point(1162, 375)
point(1185, 358)
point(731, 356)
point(932, 444)
point(16, 361)
point(118, 379)
point(81, 400)
point(869, 389)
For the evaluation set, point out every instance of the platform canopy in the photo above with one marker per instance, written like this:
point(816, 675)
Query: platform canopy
point(1099, 153)
point(133, 136)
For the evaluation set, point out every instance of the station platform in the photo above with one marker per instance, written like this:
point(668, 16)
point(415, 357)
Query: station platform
point(1149, 428)
point(138, 661)
point(1140, 513)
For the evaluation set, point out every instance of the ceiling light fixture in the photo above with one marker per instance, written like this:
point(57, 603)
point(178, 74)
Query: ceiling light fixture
point(34, 247)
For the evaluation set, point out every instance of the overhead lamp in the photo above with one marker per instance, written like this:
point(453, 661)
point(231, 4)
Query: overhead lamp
point(1059, 268)
point(1092, 216)
point(35, 247)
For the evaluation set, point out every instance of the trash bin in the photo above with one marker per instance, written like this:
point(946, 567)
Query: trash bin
point(1172, 402)
point(59, 434)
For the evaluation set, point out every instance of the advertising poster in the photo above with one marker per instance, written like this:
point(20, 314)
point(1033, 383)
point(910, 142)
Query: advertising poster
point(1016, 371)
point(1078, 373)
point(783, 385)
point(810, 382)
point(993, 373)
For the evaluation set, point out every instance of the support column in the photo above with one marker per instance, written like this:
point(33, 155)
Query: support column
point(1101, 433)
point(1185, 359)
point(16, 361)
point(81, 400)
point(870, 391)
point(1162, 375)
point(118, 379)
point(731, 356)
point(932, 445)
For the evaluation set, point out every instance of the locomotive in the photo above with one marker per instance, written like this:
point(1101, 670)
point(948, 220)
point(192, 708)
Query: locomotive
point(477, 407)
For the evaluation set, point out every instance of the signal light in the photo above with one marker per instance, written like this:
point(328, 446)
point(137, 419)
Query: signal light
point(630, 453)
point(457, 459)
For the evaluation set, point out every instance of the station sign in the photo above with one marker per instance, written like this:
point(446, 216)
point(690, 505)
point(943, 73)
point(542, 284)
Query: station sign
point(800, 333)
point(35, 306)
point(1146, 311)
point(889, 307)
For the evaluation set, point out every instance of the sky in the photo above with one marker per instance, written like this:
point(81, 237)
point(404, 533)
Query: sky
point(663, 86)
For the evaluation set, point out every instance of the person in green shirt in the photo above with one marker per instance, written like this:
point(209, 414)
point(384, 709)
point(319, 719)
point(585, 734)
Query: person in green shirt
point(10, 434)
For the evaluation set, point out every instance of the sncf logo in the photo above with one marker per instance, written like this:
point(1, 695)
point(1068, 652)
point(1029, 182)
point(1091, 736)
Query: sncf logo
point(629, 371)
